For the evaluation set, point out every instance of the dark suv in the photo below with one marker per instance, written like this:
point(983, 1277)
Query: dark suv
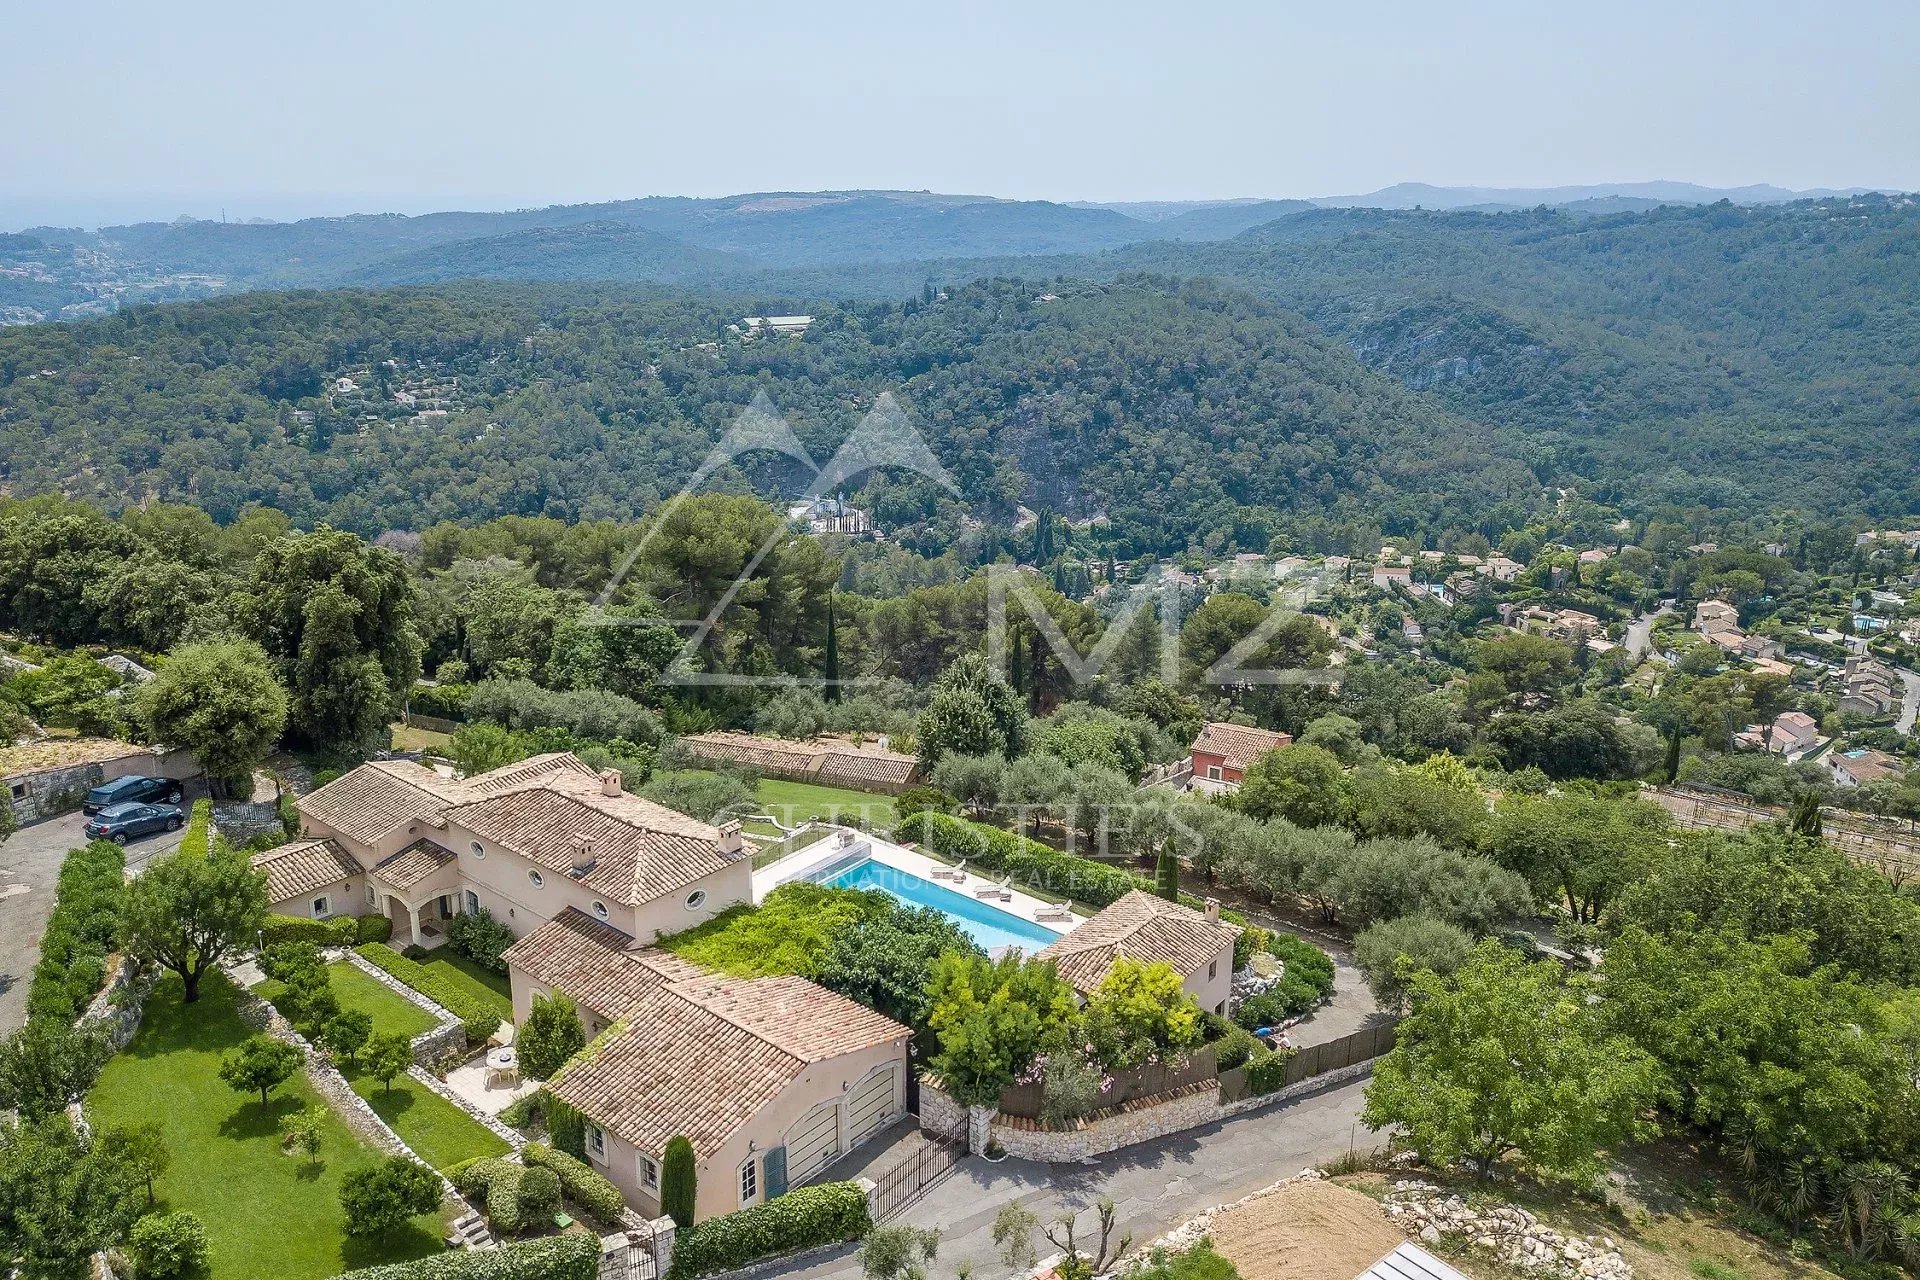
point(132, 789)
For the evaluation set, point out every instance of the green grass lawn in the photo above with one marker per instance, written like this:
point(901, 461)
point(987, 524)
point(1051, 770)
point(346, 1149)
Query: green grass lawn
point(390, 1011)
point(796, 802)
point(440, 1133)
point(457, 971)
point(266, 1213)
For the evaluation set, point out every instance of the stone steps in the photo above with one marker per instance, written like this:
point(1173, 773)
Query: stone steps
point(470, 1231)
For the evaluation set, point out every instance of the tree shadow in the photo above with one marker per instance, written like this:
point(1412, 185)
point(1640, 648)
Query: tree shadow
point(251, 1120)
point(409, 1240)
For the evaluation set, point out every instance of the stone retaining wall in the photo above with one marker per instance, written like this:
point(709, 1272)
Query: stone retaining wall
point(120, 1004)
point(506, 1133)
point(446, 1039)
point(939, 1112)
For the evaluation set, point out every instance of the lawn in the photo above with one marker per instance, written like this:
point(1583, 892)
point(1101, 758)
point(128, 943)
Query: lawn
point(390, 1011)
point(796, 802)
point(407, 737)
point(266, 1213)
point(457, 971)
point(440, 1133)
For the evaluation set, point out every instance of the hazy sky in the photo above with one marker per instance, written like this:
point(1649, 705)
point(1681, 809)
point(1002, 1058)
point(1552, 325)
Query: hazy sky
point(122, 110)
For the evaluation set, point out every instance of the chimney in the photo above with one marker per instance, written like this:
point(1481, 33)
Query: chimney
point(731, 842)
point(583, 859)
point(610, 782)
point(1213, 911)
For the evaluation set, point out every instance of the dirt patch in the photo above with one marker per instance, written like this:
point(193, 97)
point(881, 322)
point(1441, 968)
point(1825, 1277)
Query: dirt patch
point(1308, 1231)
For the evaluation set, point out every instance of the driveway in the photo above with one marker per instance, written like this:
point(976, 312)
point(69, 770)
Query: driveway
point(29, 865)
point(1155, 1186)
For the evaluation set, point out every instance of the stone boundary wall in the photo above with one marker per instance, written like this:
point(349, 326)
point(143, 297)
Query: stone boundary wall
point(120, 1004)
point(447, 1038)
point(511, 1136)
point(939, 1112)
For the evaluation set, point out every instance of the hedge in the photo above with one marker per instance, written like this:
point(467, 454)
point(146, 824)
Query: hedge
point(575, 1256)
point(80, 933)
point(479, 1019)
point(1269, 1071)
point(1030, 862)
point(517, 1197)
point(825, 1214)
point(579, 1183)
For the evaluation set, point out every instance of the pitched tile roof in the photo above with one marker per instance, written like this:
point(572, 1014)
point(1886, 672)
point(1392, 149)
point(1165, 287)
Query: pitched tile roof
point(377, 798)
point(635, 850)
point(1237, 744)
point(303, 867)
point(413, 864)
point(590, 961)
point(703, 1057)
point(826, 759)
point(1145, 927)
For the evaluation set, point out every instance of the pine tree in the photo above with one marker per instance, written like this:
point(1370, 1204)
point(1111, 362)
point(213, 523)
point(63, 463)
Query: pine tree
point(831, 661)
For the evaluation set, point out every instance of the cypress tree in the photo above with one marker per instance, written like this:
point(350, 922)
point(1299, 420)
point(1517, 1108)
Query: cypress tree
point(1673, 755)
point(832, 659)
point(677, 1181)
point(1166, 876)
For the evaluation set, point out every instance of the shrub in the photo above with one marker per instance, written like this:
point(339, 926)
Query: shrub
point(446, 701)
point(801, 1219)
point(551, 1034)
point(575, 1256)
point(924, 800)
point(479, 1019)
point(1236, 1048)
point(371, 929)
point(167, 1244)
point(678, 1181)
point(567, 1127)
point(579, 1183)
point(380, 1198)
point(80, 933)
point(334, 931)
point(517, 1198)
point(480, 938)
point(524, 1112)
point(1268, 1073)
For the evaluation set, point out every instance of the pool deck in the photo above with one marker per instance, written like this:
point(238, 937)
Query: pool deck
point(848, 845)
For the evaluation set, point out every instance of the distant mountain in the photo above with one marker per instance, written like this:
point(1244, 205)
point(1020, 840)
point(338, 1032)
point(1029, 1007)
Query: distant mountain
point(584, 251)
point(1408, 195)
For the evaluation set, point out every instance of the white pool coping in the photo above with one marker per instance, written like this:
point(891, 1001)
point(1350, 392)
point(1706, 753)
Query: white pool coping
point(847, 844)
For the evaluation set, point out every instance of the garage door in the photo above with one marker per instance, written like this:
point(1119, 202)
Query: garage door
point(870, 1105)
point(812, 1142)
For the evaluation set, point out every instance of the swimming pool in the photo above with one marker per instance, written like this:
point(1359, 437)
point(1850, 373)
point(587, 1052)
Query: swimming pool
point(984, 922)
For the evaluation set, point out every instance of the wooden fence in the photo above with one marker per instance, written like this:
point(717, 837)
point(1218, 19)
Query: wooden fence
point(1360, 1046)
point(1027, 1100)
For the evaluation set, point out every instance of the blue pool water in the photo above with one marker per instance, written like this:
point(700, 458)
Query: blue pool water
point(984, 922)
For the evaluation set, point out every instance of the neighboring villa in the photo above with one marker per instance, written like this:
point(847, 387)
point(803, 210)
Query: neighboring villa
point(524, 842)
point(1220, 755)
point(770, 1079)
point(1793, 734)
point(1859, 767)
point(830, 761)
point(1198, 945)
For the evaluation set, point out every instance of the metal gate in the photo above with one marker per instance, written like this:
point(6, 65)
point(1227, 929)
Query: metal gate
point(927, 1163)
point(630, 1255)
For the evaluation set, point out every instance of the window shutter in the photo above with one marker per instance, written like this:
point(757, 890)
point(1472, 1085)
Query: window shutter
point(775, 1165)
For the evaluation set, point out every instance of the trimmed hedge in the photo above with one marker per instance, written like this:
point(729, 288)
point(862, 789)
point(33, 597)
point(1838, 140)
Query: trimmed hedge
point(516, 1197)
point(80, 933)
point(575, 1256)
point(578, 1182)
point(825, 1214)
point(1032, 863)
point(479, 1019)
point(334, 931)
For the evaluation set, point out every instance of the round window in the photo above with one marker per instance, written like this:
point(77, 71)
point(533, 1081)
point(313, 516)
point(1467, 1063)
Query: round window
point(600, 910)
point(478, 850)
point(535, 879)
point(697, 899)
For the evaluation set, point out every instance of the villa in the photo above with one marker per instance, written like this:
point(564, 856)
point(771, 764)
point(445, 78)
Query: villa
point(524, 842)
point(1198, 945)
point(1220, 755)
point(769, 1079)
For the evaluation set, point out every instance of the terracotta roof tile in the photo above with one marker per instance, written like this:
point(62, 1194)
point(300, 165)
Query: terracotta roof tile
point(1237, 744)
point(413, 864)
point(1142, 926)
point(304, 866)
point(587, 960)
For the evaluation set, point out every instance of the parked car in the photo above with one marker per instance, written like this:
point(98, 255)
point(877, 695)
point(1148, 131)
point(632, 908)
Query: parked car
point(132, 789)
point(122, 822)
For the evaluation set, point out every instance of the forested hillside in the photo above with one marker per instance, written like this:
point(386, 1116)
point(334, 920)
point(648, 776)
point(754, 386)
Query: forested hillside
point(1177, 408)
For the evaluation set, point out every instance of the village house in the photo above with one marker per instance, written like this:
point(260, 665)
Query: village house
point(50, 777)
point(524, 842)
point(1863, 765)
point(1792, 734)
point(1220, 755)
point(1869, 688)
point(1715, 615)
point(1198, 945)
point(769, 1079)
point(1387, 576)
point(1501, 569)
point(835, 762)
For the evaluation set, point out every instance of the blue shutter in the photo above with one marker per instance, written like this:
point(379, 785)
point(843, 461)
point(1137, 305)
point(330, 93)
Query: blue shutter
point(775, 1168)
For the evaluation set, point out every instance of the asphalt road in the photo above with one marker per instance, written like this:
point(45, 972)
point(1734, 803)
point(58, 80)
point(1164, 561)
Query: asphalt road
point(1155, 1186)
point(29, 865)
